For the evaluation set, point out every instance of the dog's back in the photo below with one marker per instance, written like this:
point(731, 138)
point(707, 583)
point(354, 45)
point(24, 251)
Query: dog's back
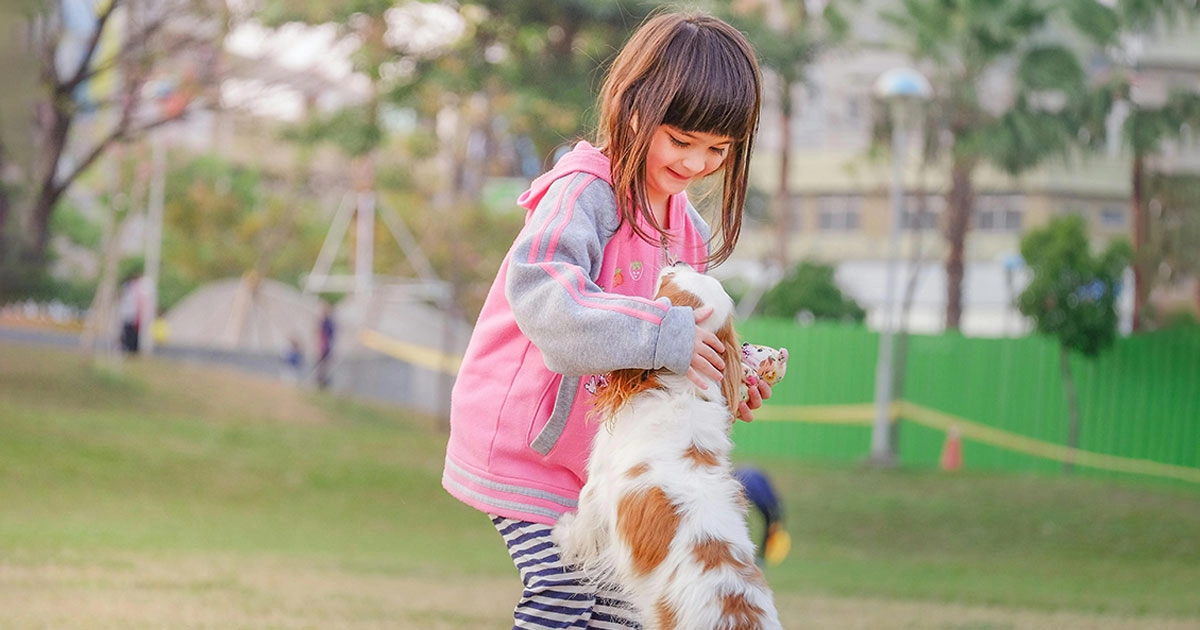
point(662, 516)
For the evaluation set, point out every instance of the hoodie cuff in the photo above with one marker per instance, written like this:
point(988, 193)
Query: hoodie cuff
point(676, 339)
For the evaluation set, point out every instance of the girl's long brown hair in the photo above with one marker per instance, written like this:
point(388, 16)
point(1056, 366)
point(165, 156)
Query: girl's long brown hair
point(694, 72)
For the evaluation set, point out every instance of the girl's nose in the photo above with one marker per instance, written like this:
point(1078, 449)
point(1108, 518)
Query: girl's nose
point(693, 162)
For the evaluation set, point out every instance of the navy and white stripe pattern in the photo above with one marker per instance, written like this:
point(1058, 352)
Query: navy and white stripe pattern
point(555, 595)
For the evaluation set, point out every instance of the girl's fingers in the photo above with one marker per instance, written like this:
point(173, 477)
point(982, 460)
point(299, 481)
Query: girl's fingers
point(755, 396)
point(707, 362)
point(764, 390)
point(696, 379)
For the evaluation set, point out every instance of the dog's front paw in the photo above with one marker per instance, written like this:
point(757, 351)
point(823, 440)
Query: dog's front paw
point(561, 532)
point(565, 537)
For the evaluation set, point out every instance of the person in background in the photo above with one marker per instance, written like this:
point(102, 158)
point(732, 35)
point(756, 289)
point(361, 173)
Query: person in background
point(326, 330)
point(293, 358)
point(131, 307)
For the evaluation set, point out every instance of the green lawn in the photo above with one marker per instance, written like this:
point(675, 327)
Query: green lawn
point(147, 463)
point(148, 456)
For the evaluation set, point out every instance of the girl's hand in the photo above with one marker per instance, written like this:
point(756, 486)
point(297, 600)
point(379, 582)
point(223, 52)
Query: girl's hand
point(707, 364)
point(759, 392)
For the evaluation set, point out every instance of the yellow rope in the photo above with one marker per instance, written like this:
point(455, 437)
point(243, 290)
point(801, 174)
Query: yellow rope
point(409, 352)
point(865, 414)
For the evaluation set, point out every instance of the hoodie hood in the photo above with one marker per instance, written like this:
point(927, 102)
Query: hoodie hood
point(584, 158)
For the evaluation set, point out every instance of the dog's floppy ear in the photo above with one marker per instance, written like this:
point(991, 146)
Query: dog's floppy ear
point(731, 380)
point(621, 386)
point(732, 377)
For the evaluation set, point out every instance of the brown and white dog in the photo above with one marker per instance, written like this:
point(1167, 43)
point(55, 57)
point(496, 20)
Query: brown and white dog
point(662, 517)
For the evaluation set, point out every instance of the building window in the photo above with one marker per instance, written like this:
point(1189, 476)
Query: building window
point(1113, 217)
point(922, 212)
point(998, 213)
point(839, 213)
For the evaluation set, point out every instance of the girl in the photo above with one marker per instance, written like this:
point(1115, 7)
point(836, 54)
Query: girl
point(572, 298)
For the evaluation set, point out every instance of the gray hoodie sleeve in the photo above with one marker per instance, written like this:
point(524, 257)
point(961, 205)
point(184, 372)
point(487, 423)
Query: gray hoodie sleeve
point(551, 288)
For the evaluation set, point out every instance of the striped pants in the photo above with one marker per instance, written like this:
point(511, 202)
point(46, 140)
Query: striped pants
point(556, 596)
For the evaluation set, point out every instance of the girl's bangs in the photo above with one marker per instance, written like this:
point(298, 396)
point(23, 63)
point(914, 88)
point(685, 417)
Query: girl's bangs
point(714, 96)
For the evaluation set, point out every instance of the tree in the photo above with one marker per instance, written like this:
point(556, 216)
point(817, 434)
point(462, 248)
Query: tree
point(1072, 297)
point(513, 84)
point(1174, 232)
point(810, 288)
point(1147, 127)
point(788, 38)
point(957, 43)
point(108, 73)
point(541, 63)
point(223, 220)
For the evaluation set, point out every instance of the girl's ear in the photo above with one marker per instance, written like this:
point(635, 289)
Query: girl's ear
point(633, 123)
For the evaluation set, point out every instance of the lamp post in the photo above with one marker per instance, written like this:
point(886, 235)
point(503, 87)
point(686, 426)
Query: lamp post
point(903, 90)
point(1012, 262)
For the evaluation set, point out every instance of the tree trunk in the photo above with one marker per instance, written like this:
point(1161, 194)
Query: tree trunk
point(958, 221)
point(52, 145)
point(1064, 367)
point(39, 227)
point(100, 325)
point(1196, 287)
point(1137, 220)
point(5, 201)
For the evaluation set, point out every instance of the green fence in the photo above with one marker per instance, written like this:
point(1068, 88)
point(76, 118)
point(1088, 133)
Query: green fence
point(1139, 402)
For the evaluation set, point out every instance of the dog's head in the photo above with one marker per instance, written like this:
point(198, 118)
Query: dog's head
point(685, 286)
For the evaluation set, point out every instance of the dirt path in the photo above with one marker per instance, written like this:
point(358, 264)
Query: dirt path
point(203, 592)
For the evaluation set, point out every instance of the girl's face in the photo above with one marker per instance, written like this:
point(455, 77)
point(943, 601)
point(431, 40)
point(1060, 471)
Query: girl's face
point(677, 158)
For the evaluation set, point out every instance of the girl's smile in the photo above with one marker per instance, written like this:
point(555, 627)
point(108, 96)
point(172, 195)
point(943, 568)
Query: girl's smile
point(677, 158)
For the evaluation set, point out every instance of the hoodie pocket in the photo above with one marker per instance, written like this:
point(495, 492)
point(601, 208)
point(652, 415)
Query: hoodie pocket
point(539, 412)
point(554, 426)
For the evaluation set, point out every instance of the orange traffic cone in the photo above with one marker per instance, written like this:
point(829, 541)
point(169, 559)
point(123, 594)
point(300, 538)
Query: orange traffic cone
point(952, 450)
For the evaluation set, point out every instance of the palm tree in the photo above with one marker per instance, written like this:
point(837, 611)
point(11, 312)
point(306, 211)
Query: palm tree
point(1145, 130)
point(957, 43)
point(1147, 127)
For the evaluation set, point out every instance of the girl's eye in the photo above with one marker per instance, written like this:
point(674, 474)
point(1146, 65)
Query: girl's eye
point(677, 142)
point(720, 150)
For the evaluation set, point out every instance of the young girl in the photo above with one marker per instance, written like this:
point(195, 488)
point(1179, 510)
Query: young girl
point(572, 299)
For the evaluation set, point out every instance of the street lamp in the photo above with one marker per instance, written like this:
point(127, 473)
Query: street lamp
point(903, 90)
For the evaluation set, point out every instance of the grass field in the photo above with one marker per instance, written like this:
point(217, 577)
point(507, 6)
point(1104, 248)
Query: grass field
point(146, 494)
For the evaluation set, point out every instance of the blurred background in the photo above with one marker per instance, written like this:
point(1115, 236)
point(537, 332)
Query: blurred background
point(974, 224)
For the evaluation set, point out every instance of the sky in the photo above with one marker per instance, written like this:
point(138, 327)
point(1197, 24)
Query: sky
point(324, 53)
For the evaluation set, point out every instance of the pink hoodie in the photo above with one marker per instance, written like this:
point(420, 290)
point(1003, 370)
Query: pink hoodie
point(572, 300)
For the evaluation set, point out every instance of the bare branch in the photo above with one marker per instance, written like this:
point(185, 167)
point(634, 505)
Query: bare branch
point(154, 124)
point(39, 33)
point(90, 51)
point(119, 131)
point(137, 42)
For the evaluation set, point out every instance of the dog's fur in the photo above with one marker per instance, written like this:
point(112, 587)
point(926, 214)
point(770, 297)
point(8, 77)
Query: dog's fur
point(662, 517)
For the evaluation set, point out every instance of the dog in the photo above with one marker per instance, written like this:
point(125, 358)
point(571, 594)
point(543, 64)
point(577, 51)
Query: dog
point(661, 517)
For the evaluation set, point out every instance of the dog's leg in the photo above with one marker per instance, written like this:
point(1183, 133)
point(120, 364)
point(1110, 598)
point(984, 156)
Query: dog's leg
point(582, 536)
